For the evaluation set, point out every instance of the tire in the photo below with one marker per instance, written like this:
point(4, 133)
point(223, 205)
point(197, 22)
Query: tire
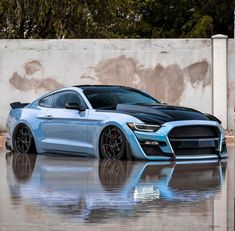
point(113, 144)
point(23, 141)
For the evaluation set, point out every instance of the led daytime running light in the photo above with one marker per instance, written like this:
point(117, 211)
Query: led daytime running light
point(143, 127)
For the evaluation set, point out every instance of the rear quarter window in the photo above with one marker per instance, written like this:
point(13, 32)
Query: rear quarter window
point(46, 101)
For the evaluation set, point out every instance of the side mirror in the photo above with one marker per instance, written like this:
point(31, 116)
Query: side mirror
point(75, 106)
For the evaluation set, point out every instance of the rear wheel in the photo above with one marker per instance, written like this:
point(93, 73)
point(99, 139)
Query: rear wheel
point(23, 140)
point(113, 144)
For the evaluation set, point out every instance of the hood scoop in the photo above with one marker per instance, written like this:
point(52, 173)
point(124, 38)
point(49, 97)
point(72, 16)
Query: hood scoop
point(161, 113)
point(142, 109)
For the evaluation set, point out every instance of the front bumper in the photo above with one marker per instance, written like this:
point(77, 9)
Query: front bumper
point(195, 148)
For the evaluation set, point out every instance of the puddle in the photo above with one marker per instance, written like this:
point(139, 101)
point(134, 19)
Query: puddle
point(56, 192)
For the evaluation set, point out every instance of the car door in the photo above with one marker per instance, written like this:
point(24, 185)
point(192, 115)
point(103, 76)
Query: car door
point(65, 130)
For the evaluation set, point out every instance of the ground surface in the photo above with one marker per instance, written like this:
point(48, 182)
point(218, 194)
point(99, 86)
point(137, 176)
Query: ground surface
point(55, 192)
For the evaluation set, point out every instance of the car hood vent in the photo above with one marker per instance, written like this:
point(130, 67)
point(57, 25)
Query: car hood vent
point(160, 113)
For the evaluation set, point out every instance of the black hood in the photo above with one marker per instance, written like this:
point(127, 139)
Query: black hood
point(159, 114)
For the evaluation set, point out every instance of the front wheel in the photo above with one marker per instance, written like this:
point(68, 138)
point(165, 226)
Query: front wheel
point(113, 144)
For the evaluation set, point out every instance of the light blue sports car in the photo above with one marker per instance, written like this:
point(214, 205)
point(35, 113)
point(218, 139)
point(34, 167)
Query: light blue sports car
point(113, 122)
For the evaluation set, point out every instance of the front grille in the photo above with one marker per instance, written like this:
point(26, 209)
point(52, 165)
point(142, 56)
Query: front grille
point(193, 132)
point(194, 140)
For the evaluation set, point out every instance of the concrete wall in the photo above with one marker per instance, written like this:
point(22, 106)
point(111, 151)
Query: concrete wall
point(177, 71)
point(231, 82)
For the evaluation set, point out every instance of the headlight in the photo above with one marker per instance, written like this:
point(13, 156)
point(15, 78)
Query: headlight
point(143, 127)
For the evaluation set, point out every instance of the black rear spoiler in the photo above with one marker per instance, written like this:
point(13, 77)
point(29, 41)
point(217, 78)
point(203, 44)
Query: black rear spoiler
point(15, 105)
point(213, 118)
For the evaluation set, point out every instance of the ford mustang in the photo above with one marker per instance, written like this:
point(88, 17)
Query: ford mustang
point(112, 122)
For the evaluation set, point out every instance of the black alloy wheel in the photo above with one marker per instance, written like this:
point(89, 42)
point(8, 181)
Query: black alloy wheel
point(23, 139)
point(113, 144)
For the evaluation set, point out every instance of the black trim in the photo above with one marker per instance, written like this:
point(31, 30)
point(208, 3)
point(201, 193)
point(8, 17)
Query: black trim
point(212, 118)
point(194, 131)
point(88, 86)
point(15, 105)
point(152, 150)
point(195, 151)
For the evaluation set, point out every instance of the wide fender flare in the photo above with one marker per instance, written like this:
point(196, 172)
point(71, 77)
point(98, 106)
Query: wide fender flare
point(128, 133)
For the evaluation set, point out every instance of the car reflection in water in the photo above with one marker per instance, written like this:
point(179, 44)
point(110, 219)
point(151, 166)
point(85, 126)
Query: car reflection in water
point(90, 190)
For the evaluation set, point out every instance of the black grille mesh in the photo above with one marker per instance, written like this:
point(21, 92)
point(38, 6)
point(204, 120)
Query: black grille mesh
point(187, 147)
point(193, 132)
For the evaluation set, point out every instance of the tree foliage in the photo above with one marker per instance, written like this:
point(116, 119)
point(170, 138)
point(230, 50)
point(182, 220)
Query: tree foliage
point(115, 18)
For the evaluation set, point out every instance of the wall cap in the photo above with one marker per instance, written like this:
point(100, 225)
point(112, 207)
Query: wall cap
point(219, 36)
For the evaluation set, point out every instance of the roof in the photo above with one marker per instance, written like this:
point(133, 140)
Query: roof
point(87, 87)
point(97, 85)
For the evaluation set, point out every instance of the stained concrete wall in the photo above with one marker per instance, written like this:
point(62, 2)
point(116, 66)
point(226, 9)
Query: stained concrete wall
point(231, 82)
point(177, 71)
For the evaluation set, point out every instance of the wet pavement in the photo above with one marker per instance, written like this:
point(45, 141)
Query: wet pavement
point(56, 192)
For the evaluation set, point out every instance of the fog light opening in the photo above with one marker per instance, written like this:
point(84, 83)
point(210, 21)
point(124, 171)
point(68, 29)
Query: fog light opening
point(151, 142)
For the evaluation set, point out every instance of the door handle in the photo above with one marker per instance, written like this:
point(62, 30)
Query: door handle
point(49, 117)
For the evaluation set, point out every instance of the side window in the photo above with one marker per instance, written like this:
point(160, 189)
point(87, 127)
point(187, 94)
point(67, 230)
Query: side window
point(47, 101)
point(62, 98)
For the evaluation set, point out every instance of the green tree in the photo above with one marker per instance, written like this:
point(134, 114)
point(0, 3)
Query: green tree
point(115, 18)
point(188, 18)
point(67, 18)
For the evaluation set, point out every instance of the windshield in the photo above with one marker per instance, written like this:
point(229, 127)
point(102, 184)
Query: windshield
point(109, 97)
